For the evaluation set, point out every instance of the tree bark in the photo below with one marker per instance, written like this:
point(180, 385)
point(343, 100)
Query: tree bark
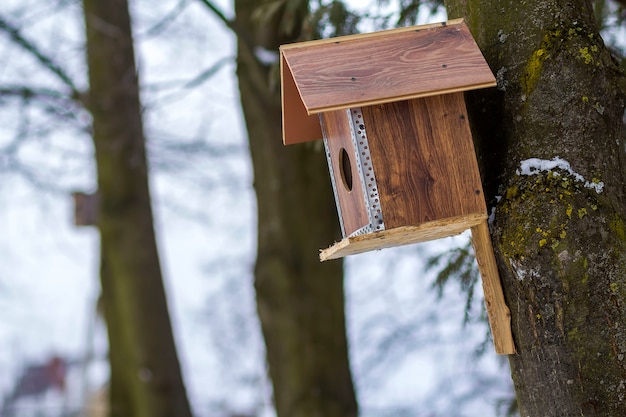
point(146, 380)
point(559, 232)
point(300, 300)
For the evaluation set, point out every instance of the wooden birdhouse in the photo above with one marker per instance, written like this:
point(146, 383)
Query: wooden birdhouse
point(389, 107)
point(85, 208)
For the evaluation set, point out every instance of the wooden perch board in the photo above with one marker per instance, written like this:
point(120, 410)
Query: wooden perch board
point(404, 235)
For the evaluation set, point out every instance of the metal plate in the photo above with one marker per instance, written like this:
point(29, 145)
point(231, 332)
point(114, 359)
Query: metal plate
point(360, 154)
point(332, 178)
point(366, 172)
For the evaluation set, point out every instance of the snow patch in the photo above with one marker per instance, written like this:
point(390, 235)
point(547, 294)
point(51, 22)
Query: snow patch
point(501, 82)
point(521, 272)
point(502, 36)
point(266, 56)
point(534, 166)
point(492, 213)
point(492, 216)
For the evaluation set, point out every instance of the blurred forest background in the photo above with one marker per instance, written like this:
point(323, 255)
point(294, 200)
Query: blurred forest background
point(165, 116)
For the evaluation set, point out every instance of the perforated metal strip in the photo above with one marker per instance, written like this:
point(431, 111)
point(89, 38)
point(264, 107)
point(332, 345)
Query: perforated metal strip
point(332, 177)
point(366, 172)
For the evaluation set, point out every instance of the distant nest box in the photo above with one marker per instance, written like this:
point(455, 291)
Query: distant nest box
point(85, 208)
point(389, 107)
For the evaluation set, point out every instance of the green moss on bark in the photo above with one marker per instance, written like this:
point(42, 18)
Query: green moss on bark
point(568, 272)
point(577, 41)
point(526, 200)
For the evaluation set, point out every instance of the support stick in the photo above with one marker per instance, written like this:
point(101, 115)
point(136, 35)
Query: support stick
point(497, 310)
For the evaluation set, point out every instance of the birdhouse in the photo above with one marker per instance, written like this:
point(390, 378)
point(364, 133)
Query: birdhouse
point(85, 208)
point(389, 107)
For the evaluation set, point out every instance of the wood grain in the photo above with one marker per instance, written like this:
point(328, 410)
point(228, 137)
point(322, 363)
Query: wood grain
point(424, 159)
point(391, 66)
point(368, 35)
point(401, 236)
point(497, 310)
point(336, 127)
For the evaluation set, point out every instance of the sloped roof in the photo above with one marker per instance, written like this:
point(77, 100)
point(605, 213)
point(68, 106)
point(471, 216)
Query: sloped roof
point(374, 68)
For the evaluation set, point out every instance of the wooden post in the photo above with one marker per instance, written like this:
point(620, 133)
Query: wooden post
point(497, 310)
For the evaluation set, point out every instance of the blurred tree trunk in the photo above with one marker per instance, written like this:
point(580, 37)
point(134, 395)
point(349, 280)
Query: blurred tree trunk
point(146, 380)
point(300, 300)
point(559, 232)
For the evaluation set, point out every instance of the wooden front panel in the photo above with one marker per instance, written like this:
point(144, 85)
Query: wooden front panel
point(336, 128)
point(424, 159)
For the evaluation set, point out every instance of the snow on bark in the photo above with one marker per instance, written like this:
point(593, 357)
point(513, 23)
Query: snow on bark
point(534, 166)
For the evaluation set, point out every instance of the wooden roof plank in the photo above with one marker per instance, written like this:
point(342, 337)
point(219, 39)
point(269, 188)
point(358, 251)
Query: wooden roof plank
point(374, 68)
point(344, 38)
point(399, 65)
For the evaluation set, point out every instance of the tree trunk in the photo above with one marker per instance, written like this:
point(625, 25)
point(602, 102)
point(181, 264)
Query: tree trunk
point(559, 231)
point(300, 300)
point(145, 375)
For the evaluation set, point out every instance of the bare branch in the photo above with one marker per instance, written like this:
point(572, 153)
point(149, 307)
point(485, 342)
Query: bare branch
point(232, 25)
point(194, 82)
point(35, 177)
point(53, 102)
point(33, 93)
point(17, 37)
point(208, 73)
point(169, 18)
point(41, 177)
point(220, 15)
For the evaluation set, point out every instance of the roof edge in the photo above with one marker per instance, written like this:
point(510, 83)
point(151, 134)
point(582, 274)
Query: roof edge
point(314, 111)
point(345, 38)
